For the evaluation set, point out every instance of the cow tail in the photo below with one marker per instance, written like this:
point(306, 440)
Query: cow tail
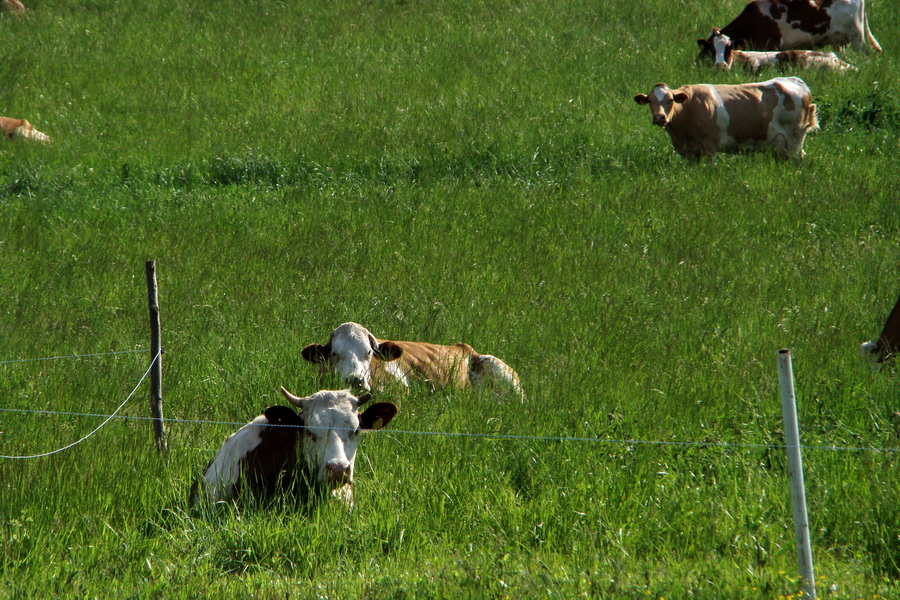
point(869, 36)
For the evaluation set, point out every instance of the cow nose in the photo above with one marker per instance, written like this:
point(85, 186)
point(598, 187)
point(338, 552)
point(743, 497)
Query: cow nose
point(659, 120)
point(721, 66)
point(338, 471)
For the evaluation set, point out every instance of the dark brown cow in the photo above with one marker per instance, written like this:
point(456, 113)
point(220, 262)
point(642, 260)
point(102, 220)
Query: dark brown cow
point(704, 119)
point(798, 24)
point(888, 343)
point(16, 128)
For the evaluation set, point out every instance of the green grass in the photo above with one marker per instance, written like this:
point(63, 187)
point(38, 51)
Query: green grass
point(444, 171)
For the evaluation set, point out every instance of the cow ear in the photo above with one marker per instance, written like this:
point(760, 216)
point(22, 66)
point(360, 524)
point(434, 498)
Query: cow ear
point(363, 399)
point(315, 353)
point(388, 351)
point(680, 97)
point(378, 416)
point(704, 44)
point(281, 415)
point(642, 99)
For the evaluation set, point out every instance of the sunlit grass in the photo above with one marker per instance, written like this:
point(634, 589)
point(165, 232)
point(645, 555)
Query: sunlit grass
point(448, 172)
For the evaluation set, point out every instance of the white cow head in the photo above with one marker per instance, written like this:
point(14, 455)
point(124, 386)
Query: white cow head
point(330, 436)
point(662, 103)
point(724, 48)
point(349, 353)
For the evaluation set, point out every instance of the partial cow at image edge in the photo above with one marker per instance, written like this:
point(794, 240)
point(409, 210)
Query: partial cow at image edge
point(798, 25)
point(888, 343)
point(21, 128)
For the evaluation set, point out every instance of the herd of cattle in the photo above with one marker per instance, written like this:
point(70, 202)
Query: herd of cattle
point(704, 119)
point(263, 455)
point(313, 448)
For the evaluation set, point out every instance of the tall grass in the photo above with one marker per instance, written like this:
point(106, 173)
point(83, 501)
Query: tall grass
point(449, 172)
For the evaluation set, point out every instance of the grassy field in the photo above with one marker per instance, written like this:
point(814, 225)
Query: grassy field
point(446, 171)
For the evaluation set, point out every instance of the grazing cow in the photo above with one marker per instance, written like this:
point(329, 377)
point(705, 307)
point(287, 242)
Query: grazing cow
point(704, 119)
point(728, 53)
point(13, 128)
point(888, 343)
point(798, 24)
point(262, 455)
point(15, 6)
point(364, 362)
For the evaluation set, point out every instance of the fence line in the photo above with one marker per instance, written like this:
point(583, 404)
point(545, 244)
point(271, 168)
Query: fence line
point(494, 436)
point(23, 360)
point(99, 427)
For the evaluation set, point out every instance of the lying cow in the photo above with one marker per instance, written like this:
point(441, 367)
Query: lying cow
point(16, 128)
point(262, 456)
point(799, 24)
point(364, 362)
point(728, 53)
point(888, 343)
point(704, 119)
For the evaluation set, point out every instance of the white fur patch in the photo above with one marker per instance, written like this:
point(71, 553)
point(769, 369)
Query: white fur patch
point(396, 371)
point(225, 470)
point(723, 119)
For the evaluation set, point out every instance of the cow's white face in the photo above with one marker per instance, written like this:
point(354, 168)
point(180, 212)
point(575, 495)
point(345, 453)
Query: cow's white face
point(662, 103)
point(349, 354)
point(332, 426)
point(723, 47)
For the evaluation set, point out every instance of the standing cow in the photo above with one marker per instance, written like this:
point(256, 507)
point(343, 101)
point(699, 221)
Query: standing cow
point(798, 24)
point(263, 454)
point(888, 343)
point(705, 119)
point(364, 362)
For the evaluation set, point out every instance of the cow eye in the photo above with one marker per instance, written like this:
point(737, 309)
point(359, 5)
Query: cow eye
point(312, 437)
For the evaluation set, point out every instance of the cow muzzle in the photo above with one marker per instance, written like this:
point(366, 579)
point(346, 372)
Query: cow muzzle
point(337, 473)
point(660, 120)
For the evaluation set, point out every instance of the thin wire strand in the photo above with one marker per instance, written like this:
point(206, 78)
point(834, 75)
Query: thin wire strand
point(494, 436)
point(24, 360)
point(99, 427)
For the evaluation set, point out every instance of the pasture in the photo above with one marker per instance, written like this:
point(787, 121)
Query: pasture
point(442, 171)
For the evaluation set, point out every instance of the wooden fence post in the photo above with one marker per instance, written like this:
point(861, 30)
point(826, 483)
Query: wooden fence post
point(156, 408)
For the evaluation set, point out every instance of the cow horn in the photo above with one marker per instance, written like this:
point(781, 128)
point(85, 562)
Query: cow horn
point(295, 400)
point(363, 399)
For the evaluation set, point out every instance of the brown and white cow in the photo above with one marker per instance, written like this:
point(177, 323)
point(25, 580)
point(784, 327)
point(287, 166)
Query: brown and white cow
point(262, 456)
point(728, 54)
point(21, 128)
point(888, 343)
point(365, 362)
point(704, 119)
point(798, 24)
